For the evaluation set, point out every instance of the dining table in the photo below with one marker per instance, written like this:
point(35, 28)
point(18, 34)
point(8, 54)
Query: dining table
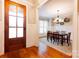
point(60, 34)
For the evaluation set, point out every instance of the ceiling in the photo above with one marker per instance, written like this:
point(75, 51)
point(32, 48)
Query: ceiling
point(50, 8)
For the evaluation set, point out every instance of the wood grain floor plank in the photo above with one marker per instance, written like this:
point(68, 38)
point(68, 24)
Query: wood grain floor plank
point(33, 52)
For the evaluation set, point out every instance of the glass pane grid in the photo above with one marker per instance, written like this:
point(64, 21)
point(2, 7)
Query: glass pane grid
point(12, 32)
point(12, 21)
point(15, 32)
point(20, 16)
point(19, 32)
point(16, 22)
point(15, 27)
point(20, 12)
point(43, 27)
point(20, 22)
point(12, 10)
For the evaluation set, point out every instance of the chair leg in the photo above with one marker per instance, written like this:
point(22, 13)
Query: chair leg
point(58, 41)
point(62, 42)
point(51, 39)
point(47, 38)
point(68, 42)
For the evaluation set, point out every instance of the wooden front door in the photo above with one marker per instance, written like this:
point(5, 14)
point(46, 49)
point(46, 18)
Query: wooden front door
point(15, 26)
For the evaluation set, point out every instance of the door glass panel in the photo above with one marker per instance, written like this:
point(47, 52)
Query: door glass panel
point(45, 23)
point(12, 21)
point(45, 30)
point(19, 32)
point(45, 26)
point(12, 13)
point(20, 21)
point(41, 30)
point(20, 12)
point(12, 10)
point(41, 23)
point(12, 32)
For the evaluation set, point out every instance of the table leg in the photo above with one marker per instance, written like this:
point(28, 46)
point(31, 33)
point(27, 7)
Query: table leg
point(47, 38)
point(62, 40)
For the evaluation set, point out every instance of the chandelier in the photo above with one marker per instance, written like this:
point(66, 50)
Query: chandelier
point(58, 20)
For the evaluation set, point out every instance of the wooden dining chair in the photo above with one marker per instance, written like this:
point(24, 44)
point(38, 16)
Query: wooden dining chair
point(56, 37)
point(67, 38)
point(49, 35)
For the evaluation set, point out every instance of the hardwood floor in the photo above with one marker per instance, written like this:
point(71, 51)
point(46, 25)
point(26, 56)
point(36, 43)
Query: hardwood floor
point(34, 52)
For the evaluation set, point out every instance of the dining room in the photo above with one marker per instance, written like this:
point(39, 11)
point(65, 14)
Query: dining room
point(56, 25)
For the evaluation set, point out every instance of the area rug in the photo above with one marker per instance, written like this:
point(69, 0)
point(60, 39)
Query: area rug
point(64, 49)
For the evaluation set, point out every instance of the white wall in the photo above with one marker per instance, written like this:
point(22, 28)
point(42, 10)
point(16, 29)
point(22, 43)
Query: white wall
point(1, 27)
point(65, 27)
point(49, 9)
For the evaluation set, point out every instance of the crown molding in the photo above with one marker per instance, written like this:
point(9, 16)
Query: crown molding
point(29, 3)
point(41, 4)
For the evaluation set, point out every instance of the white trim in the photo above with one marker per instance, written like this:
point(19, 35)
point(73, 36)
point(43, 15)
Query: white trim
point(41, 4)
point(75, 32)
point(26, 23)
point(29, 3)
point(2, 29)
point(78, 29)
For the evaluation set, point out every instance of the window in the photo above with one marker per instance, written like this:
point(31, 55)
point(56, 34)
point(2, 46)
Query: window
point(16, 18)
point(43, 26)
